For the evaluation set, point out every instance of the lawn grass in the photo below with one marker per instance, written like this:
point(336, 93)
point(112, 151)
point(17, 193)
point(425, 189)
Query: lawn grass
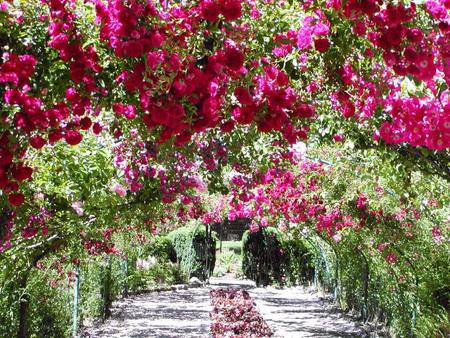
point(235, 246)
point(230, 259)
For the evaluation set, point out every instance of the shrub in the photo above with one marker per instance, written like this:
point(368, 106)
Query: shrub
point(48, 314)
point(190, 245)
point(162, 249)
point(159, 274)
point(102, 281)
point(299, 267)
point(227, 262)
point(269, 257)
point(263, 258)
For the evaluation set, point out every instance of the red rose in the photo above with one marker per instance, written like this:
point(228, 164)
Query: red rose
point(72, 95)
point(322, 44)
point(210, 10)
point(304, 110)
point(227, 126)
point(133, 49)
point(348, 110)
point(5, 157)
point(73, 137)
point(338, 137)
point(234, 59)
point(183, 138)
point(243, 96)
point(231, 9)
point(129, 111)
point(55, 136)
point(37, 142)
point(85, 123)
point(97, 128)
point(16, 199)
point(22, 173)
point(148, 121)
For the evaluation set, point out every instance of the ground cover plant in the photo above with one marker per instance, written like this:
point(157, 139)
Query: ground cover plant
point(234, 315)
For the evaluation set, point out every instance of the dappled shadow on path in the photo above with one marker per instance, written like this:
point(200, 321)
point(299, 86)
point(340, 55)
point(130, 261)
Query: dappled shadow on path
point(295, 312)
point(182, 313)
point(291, 312)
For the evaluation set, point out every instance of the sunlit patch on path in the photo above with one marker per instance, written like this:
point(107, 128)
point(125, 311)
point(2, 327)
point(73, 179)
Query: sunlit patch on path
point(292, 312)
point(295, 312)
point(181, 313)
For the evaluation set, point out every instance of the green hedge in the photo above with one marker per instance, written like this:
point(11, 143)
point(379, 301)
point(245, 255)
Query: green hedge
point(162, 249)
point(48, 313)
point(299, 261)
point(102, 281)
point(49, 309)
point(162, 271)
point(269, 258)
point(190, 246)
point(263, 258)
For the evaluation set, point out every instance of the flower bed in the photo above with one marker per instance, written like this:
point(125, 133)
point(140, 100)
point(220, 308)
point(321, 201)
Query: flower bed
point(235, 315)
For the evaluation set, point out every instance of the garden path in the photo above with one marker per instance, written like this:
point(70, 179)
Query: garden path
point(292, 312)
point(297, 312)
point(166, 314)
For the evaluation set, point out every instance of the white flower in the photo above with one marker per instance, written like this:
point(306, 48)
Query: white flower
point(78, 207)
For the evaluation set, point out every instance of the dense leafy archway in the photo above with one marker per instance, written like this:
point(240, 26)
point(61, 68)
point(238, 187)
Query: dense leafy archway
point(329, 120)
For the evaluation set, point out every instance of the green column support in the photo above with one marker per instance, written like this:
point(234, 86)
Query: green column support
point(316, 272)
point(75, 303)
point(125, 272)
point(106, 290)
point(365, 279)
point(207, 262)
point(221, 234)
point(336, 277)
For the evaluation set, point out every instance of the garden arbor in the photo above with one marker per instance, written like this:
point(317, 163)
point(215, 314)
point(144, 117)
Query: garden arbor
point(121, 119)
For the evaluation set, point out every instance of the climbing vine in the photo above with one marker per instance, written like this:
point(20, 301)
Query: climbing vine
point(329, 120)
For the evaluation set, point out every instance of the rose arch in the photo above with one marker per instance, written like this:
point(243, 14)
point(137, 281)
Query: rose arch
point(329, 120)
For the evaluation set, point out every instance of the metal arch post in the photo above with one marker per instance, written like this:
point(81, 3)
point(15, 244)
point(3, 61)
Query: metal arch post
point(321, 249)
point(125, 272)
point(416, 281)
point(366, 278)
point(324, 258)
point(75, 303)
point(336, 270)
point(207, 251)
point(314, 245)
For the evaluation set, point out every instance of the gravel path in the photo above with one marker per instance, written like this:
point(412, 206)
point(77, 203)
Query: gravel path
point(181, 313)
point(292, 312)
point(297, 312)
